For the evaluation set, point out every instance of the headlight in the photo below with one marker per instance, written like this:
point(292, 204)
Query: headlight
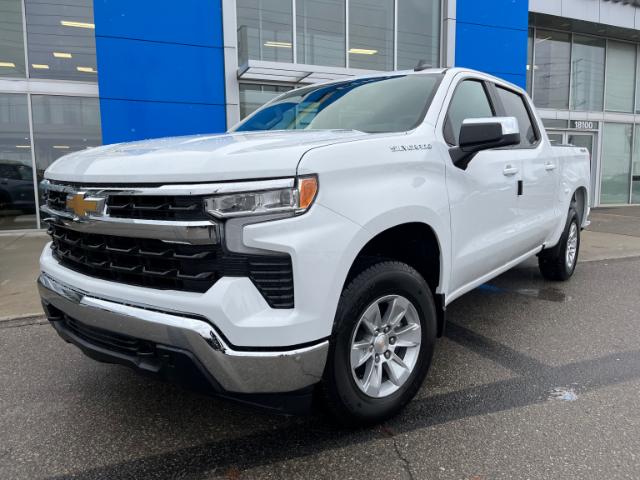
point(290, 196)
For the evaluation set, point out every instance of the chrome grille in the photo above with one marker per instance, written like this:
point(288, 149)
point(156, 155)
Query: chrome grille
point(157, 264)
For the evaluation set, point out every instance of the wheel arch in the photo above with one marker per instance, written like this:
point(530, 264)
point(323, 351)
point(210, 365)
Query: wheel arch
point(415, 243)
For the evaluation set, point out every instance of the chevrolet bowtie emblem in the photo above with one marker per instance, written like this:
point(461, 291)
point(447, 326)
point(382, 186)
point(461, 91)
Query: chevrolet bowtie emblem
point(82, 206)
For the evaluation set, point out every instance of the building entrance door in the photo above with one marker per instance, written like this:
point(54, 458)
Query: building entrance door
point(579, 139)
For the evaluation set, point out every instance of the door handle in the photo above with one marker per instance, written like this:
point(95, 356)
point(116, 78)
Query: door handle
point(509, 170)
point(548, 166)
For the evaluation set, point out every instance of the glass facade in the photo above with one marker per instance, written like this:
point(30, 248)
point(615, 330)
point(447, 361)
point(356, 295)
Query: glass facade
point(61, 40)
point(17, 201)
point(371, 34)
point(616, 163)
point(265, 29)
point(587, 73)
point(551, 67)
point(584, 73)
point(621, 77)
point(11, 39)
point(418, 33)
point(60, 44)
point(367, 34)
point(321, 32)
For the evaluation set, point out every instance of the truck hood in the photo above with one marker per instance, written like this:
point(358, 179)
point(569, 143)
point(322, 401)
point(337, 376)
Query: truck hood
point(198, 158)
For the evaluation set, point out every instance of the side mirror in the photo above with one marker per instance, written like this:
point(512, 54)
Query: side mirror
point(477, 134)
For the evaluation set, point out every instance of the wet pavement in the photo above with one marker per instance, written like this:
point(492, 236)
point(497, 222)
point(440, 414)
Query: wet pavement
point(534, 379)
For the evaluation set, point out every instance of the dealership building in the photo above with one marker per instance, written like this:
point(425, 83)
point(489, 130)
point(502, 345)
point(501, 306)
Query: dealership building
point(80, 73)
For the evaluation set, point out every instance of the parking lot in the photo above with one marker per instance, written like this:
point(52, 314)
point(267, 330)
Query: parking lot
point(533, 380)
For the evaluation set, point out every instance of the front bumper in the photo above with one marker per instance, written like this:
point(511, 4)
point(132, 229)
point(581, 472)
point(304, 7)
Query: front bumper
point(111, 330)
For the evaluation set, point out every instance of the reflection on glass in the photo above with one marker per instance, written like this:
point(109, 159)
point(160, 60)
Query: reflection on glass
point(62, 125)
point(366, 104)
point(61, 39)
point(551, 69)
point(418, 33)
point(371, 34)
point(621, 68)
point(635, 188)
point(11, 39)
point(529, 60)
point(253, 96)
point(265, 30)
point(616, 159)
point(320, 26)
point(17, 202)
point(587, 82)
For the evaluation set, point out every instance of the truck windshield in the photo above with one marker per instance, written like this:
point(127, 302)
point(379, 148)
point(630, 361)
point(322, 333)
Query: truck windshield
point(380, 104)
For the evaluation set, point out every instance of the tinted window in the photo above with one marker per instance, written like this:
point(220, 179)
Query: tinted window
point(377, 104)
point(469, 101)
point(514, 106)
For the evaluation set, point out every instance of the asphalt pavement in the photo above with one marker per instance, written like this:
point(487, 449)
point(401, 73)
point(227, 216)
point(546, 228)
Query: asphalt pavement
point(533, 380)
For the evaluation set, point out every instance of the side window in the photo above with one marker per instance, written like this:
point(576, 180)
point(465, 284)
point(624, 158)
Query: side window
point(514, 106)
point(469, 101)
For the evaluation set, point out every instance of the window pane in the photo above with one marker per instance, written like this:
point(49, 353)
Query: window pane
point(11, 39)
point(551, 70)
point(621, 68)
point(61, 39)
point(469, 101)
point(635, 196)
point(253, 97)
point(616, 159)
point(320, 26)
point(515, 107)
point(265, 30)
point(529, 60)
point(418, 32)
point(371, 34)
point(17, 202)
point(587, 82)
point(62, 125)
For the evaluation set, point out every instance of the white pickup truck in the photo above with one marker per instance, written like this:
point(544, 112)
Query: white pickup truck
point(316, 245)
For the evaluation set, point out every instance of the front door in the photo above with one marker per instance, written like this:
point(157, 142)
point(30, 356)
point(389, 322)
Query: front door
point(482, 198)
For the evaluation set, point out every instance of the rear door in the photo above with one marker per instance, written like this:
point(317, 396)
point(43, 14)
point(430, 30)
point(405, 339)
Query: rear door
point(483, 197)
point(540, 173)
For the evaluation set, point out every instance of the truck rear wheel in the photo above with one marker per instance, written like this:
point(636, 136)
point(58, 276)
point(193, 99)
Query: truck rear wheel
point(559, 263)
point(382, 343)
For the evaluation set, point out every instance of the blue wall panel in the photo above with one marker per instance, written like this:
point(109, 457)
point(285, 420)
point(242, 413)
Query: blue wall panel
point(160, 71)
point(491, 36)
point(160, 68)
point(161, 21)
point(138, 120)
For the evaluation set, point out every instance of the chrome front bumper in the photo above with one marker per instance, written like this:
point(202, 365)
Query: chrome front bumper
point(235, 371)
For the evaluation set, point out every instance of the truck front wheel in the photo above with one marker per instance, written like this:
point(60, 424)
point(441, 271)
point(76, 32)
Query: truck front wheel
point(559, 263)
point(382, 343)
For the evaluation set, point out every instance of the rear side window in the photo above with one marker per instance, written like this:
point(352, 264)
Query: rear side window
point(514, 106)
point(469, 101)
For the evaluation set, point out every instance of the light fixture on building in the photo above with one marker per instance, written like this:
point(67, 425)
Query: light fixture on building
point(61, 147)
point(62, 55)
point(8, 64)
point(274, 44)
point(362, 51)
point(40, 66)
point(69, 23)
point(86, 69)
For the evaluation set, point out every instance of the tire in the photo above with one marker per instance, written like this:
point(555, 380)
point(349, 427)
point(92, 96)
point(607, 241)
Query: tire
point(559, 263)
point(387, 286)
